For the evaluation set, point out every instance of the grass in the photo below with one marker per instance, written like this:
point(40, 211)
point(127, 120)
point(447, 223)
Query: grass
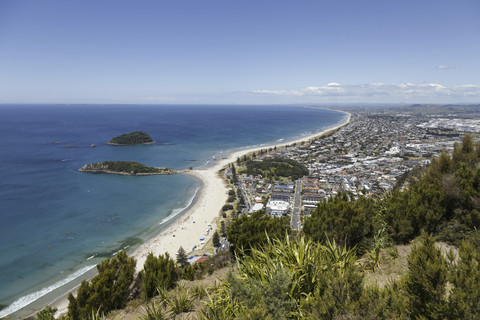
point(137, 309)
point(390, 268)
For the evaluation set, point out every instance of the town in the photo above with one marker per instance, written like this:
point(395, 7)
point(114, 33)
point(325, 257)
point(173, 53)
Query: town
point(368, 157)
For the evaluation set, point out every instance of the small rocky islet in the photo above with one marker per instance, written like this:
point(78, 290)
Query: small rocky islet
point(130, 139)
point(129, 168)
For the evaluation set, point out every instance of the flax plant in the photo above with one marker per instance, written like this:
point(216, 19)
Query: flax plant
point(303, 261)
point(154, 312)
point(380, 241)
point(219, 305)
point(180, 302)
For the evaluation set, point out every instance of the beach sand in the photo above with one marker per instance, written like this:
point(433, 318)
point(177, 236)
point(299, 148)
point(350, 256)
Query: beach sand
point(190, 226)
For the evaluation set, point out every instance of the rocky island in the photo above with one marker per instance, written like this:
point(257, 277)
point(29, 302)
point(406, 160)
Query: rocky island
point(129, 168)
point(130, 139)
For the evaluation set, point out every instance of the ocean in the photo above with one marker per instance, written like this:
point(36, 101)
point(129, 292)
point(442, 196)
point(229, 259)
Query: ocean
point(57, 223)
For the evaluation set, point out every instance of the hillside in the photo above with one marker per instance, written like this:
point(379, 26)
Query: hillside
point(365, 259)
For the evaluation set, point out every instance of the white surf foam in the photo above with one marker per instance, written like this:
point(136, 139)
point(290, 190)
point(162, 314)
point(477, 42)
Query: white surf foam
point(26, 300)
point(177, 211)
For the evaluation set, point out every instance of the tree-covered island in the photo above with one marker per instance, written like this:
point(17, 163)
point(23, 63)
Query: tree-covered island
point(130, 139)
point(124, 168)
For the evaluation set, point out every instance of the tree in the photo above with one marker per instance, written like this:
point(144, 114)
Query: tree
point(249, 231)
point(343, 220)
point(223, 229)
point(465, 295)
point(426, 280)
point(182, 258)
point(109, 290)
point(73, 312)
point(216, 240)
point(234, 173)
point(158, 273)
point(47, 313)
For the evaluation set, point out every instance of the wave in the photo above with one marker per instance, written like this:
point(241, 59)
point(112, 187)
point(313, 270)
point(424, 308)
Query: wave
point(26, 300)
point(89, 258)
point(177, 211)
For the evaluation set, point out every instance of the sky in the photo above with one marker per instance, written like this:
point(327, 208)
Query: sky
point(239, 52)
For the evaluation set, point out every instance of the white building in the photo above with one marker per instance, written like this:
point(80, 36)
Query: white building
point(278, 207)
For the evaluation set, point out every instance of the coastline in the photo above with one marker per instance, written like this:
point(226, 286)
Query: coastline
point(190, 225)
point(204, 211)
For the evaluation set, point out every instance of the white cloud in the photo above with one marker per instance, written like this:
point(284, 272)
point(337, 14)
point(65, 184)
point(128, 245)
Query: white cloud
point(379, 90)
point(444, 67)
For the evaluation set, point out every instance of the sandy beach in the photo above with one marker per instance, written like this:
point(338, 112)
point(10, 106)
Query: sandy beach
point(187, 230)
point(192, 225)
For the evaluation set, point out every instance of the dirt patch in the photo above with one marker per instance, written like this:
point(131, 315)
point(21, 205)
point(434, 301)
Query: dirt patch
point(391, 269)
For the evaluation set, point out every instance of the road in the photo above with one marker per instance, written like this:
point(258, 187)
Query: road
point(246, 198)
point(297, 203)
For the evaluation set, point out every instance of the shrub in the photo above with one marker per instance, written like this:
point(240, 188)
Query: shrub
point(109, 290)
point(158, 272)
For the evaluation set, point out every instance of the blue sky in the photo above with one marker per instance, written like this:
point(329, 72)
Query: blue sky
point(91, 51)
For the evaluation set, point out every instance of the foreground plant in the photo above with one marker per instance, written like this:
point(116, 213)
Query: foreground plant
point(273, 280)
point(180, 302)
point(154, 312)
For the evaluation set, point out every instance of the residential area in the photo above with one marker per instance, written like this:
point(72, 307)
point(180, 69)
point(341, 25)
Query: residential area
point(367, 157)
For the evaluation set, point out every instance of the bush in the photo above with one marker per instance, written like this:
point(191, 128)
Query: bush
point(227, 207)
point(249, 231)
point(109, 290)
point(158, 273)
point(47, 313)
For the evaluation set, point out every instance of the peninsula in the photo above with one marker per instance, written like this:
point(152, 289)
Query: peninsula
point(129, 168)
point(130, 139)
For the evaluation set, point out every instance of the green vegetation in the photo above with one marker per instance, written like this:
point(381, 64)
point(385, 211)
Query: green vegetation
point(132, 138)
point(109, 290)
point(443, 199)
point(426, 280)
point(182, 258)
point(247, 232)
point(302, 279)
point(321, 274)
point(124, 167)
point(276, 280)
point(343, 220)
point(227, 207)
point(465, 278)
point(46, 314)
point(279, 167)
point(216, 239)
point(158, 273)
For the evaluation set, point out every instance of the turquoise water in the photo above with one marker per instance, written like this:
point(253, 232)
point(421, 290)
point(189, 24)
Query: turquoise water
point(57, 222)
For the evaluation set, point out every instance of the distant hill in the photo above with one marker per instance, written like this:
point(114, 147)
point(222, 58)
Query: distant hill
point(132, 138)
point(463, 110)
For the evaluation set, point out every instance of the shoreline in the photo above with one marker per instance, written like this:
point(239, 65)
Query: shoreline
point(205, 210)
point(191, 224)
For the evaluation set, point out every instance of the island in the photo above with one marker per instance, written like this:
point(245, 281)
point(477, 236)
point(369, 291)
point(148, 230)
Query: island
point(128, 168)
point(130, 139)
